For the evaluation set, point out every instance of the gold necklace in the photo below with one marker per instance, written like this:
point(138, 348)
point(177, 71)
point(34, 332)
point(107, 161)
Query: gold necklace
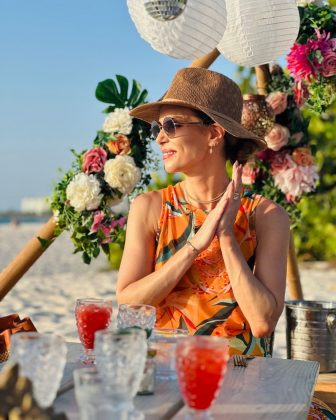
point(205, 201)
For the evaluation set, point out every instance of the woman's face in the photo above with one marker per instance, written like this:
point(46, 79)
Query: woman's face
point(189, 148)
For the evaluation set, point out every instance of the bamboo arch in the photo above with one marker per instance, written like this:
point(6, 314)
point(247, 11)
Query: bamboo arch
point(34, 249)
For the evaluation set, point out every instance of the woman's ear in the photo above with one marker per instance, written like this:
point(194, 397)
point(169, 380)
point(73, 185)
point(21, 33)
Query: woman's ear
point(217, 133)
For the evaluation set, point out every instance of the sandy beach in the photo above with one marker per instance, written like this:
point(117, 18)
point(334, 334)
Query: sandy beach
point(47, 292)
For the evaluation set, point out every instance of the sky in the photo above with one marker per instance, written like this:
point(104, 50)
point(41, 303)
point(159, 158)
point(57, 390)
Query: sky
point(53, 53)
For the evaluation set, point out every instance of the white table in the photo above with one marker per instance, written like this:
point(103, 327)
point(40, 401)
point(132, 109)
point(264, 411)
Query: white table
point(266, 389)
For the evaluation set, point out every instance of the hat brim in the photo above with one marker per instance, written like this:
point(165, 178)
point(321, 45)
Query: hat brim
point(151, 112)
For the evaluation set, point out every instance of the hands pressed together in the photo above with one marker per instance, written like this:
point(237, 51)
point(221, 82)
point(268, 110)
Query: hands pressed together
point(220, 220)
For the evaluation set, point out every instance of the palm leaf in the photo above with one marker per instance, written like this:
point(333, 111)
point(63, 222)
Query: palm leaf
point(107, 92)
point(141, 98)
point(123, 83)
point(135, 92)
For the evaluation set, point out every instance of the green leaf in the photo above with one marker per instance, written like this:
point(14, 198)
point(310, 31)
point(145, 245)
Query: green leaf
point(107, 92)
point(135, 92)
point(86, 258)
point(123, 83)
point(141, 98)
point(44, 242)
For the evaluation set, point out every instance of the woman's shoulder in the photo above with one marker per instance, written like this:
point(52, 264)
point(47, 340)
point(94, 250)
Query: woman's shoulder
point(269, 211)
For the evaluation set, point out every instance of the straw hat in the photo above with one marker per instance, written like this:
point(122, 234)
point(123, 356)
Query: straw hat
point(210, 92)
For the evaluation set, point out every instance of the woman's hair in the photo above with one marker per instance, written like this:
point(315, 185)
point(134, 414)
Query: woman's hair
point(234, 148)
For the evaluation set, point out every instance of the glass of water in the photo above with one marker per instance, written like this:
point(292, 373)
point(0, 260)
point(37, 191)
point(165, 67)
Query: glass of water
point(93, 403)
point(163, 340)
point(120, 361)
point(41, 358)
point(142, 316)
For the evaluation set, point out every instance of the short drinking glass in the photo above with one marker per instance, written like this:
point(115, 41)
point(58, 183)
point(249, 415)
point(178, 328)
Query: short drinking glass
point(142, 316)
point(201, 364)
point(93, 403)
point(163, 340)
point(91, 315)
point(41, 358)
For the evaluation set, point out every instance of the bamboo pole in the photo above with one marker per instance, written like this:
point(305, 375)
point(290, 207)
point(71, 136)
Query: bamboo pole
point(26, 258)
point(207, 59)
point(293, 276)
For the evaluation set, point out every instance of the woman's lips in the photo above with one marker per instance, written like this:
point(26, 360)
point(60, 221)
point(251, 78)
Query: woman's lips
point(166, 154)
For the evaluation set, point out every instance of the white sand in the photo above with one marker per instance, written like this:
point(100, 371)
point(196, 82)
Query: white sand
point(47, 292)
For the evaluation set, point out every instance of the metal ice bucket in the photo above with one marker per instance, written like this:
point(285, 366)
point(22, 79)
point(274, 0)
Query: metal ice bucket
point(311, 332)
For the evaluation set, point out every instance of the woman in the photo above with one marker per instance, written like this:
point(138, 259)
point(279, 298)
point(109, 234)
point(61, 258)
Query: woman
point(210, 258)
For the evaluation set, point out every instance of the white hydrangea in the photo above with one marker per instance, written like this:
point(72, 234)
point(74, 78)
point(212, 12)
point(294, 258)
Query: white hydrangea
point(118, 121)
point(122, 173)
point(83, 192)
point(304, 3)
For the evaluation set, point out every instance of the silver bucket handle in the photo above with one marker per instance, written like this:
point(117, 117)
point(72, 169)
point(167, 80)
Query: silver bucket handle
point(331, 323)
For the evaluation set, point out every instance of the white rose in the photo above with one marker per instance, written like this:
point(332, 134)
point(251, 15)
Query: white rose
point(122, 173)
point(304, 3)
point(118, 121)
point(83, 192)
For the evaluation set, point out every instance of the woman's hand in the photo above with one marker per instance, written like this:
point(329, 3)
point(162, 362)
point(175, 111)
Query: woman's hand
point(232, 196)
point(207, 231)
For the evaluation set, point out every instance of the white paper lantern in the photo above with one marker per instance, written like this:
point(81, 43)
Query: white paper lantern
point(259, 31)
point(192, 33)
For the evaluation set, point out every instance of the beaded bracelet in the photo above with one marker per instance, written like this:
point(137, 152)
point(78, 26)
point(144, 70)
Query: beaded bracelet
point(195, 250)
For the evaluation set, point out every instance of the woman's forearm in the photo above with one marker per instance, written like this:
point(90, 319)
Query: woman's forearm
point(257, 303)
point(156, 286)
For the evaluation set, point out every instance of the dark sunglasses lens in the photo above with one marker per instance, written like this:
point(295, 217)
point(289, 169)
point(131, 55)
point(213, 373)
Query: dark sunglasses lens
point(169, 127)
point(155, 129)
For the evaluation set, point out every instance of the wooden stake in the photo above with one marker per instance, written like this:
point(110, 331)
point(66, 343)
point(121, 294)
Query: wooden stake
point(26, 258)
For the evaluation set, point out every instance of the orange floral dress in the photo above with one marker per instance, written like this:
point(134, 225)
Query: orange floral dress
point(203, 300)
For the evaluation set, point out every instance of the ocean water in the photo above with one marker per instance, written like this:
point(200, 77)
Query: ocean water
point(18, 219)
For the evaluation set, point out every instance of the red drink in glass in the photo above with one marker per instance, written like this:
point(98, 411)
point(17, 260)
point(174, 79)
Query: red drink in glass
point(91, 315)
point(201, 363)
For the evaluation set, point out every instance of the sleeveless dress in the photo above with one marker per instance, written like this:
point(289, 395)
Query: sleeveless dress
point(203, 301)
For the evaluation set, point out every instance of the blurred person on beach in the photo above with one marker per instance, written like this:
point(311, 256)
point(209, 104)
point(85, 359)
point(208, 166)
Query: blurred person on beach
point(210, 256)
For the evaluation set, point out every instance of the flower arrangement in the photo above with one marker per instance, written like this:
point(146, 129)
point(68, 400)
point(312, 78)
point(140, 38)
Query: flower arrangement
point(286, 170)
point(87, 200)
point(312, 59)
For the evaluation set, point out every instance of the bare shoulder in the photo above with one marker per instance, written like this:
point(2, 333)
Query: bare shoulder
point(269, 212)
point(147, 207)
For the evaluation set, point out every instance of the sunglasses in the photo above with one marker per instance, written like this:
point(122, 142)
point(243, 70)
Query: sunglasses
point(169, 126)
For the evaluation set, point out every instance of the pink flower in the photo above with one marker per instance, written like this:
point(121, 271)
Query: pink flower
point(277, 101)
point(250, 173)
point(329, 64)
point(298, 62)
point(277, 137)
point(294, 180)
point(301, 93)
point(279, 162)
point(120, 222)
point(97, 224)
point(107, 227)
point(94, 160)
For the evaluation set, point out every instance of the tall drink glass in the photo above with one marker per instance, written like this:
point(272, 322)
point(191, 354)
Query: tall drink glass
point(120, 360)
point(91, 315)
point(41, 358)
point(201, 364)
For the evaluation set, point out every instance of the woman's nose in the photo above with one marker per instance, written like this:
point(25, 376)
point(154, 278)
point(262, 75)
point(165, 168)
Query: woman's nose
point(161, 137)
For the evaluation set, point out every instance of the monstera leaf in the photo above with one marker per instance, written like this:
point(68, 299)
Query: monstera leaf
point(116, 94)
